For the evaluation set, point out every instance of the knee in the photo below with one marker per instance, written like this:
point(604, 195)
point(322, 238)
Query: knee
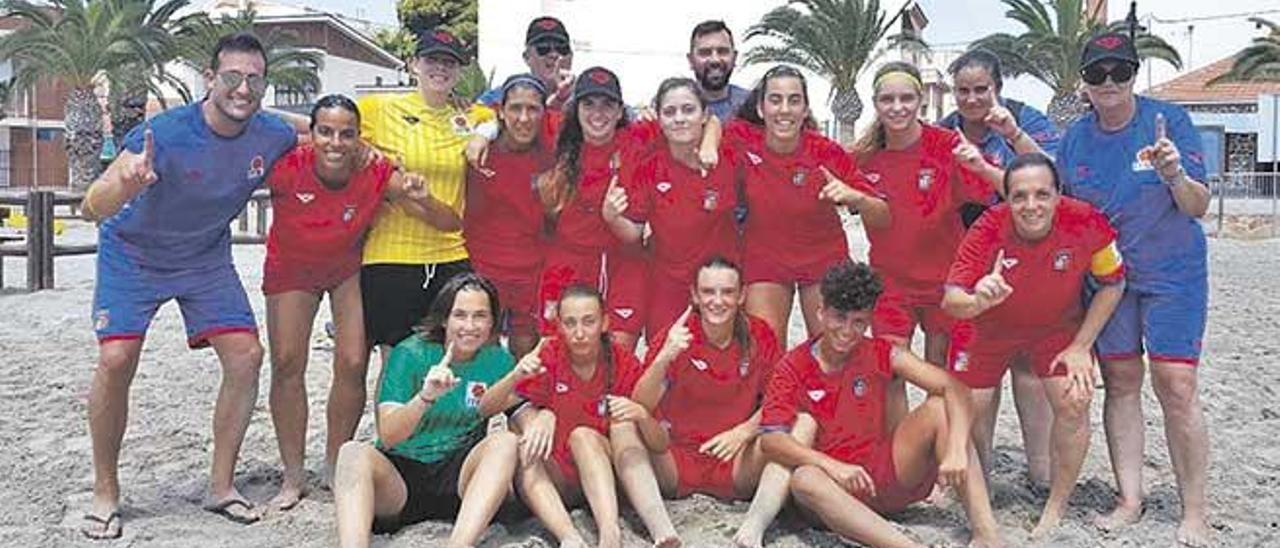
point(1176, 390)
point(353, 461)
point(806, 483)
point(243, 361)
point(1074, 411)
point(583, 438)
point(1123, 379)
point(503, 446)
point(351, 365)
point(286, 363)
point(117, 361)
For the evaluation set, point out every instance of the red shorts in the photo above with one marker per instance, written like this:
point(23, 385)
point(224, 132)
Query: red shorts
point(891, 495)
point(563, 459)
point(518, 296)
point(980, 360)
point(760, 265)
point(699, 473)
point(281, 275)
point(621, 276)
point(899, 311)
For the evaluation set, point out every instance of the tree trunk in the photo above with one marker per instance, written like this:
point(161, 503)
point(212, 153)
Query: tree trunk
point(847, 108)
point(1066, 108)
point(83, 120)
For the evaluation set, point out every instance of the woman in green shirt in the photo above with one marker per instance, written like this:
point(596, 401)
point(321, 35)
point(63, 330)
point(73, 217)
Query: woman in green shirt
point(433, 459)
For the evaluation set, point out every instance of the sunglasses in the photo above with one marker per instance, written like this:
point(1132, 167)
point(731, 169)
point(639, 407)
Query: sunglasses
point(1096, 74)
point(545, 48)
point(233, 79)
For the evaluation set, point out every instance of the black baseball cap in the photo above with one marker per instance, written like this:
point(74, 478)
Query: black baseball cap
point(546, 29)
point(440, 41)
point(597, 81)
point(1111, 46)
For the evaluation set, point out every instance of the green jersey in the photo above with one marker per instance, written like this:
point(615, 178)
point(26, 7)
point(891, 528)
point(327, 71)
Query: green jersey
point(453, 421)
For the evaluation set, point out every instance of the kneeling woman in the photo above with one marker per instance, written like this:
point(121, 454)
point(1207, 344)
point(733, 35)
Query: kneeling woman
point(433, 459)
point(578, 380)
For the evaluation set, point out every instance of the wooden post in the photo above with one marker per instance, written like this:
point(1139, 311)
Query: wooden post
point(46, 244)
point(35, 224)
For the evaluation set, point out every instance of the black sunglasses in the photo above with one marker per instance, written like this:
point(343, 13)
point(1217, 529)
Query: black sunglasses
point(1096, 74)
point(233, 79)
point(547, 47)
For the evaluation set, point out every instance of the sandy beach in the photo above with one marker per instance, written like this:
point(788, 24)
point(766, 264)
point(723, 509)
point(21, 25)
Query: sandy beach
point(49, 351)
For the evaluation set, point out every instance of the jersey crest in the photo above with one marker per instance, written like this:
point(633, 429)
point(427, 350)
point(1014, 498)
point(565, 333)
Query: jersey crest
point(1062, 260)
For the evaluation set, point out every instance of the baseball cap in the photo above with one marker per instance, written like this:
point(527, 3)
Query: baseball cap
point(440, 41)
point(1112, 46)
point(545, 28)
point(597, 81)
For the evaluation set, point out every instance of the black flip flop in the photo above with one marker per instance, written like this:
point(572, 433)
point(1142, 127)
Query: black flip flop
point(105, 523)
point(221, 509)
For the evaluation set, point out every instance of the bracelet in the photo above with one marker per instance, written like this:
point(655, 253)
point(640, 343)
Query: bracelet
point(1177, 179)
point(425, 400)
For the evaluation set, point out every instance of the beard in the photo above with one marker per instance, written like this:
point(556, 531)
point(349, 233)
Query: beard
point(717, 81)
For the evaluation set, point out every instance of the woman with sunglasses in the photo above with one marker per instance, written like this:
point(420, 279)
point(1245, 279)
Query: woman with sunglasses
point(412, 252)
point(793, 181)
point(1141, 162)
point(324, 196)
point(926, 174)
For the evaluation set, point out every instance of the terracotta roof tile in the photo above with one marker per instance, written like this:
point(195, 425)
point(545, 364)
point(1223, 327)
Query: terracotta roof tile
point(1191, 88)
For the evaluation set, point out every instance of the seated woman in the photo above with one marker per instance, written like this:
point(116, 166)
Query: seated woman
point(585, 426)
point(705, 376)
point(433, 459)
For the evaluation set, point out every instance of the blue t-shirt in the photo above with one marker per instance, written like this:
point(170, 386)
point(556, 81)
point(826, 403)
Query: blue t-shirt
point(1164, 249)
point(994, 146)
point(182, 221)
point(725, 108)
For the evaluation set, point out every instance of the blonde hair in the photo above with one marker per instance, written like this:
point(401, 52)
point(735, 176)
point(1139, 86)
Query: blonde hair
point(873, 139)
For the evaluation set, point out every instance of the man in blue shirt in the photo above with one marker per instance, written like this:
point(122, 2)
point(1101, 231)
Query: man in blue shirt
point(165, 206)
point(712, 58)
point(549, 54)
point(1139, 160)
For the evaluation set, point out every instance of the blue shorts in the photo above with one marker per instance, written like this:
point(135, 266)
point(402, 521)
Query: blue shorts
point(1167, 326)
point(126, 297)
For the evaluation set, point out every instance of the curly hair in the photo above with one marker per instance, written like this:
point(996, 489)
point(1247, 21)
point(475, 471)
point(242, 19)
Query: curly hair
point(850, 286)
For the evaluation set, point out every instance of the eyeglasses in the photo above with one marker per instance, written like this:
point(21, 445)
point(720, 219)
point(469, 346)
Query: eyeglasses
point(545, 48)
point(233, 79)
point(1096, 74)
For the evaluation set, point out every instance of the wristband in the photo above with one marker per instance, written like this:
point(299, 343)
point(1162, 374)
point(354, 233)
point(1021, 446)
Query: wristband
point(1177, 179)
point(425, 400)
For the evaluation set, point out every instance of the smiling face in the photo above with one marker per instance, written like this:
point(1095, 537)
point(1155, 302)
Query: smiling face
point(470, 323)
point(521, 115)
point(717, 295)
point(237, 85)
point(712, 59)
point(437, 72)
point(598, 115)
point(336, 136)
point(897, 102)
point(784, 108)
point(1033, 201)
point(681, 115)
point(547, 59)
point(975, 92)
point(842, 331)
point(581, 321)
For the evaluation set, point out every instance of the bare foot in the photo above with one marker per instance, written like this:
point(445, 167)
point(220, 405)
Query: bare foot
point(669, 542)
point(984, 542)
point(1048, 522)
point(748, 537)
point(1193, 533)
point(289, 496)
point(575, 542)
point(1119, 518)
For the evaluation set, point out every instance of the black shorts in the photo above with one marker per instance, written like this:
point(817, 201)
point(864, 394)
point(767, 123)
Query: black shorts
point(398, 296)
point(431, 490)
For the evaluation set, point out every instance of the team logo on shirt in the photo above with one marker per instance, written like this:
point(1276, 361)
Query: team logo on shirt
point(754, 158)
point(1009, 262)
point(924, 179)
point(710, 199)
point(700, 365)
point(817, 395)
point(798, 177)
point(561, 388)
point(1082, 171)
point(1062, 260)
point(602, 406)
point(348, 213)
point(961, 362)
point(305, 197)
point(859, 387)
point(101, 319)
point(460, 126)
point(257, 167)
point(663, 187)
point(625, 313)
point(873, 177)
point(475, 391)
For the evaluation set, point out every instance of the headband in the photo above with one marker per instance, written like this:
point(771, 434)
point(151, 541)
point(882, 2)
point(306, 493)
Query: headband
point(524, 80)
point(893, 73)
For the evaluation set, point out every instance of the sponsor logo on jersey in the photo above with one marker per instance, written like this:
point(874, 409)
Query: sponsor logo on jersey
point(305, 197)
point(475, 391)
point(1062, 260)
point(664, 187)
point(625, 313)
point(257, 167)
point(754, 158)
point(1009, 262)
point(561, 388)
point(817, 395)
point(744, 367)
point(873, 177)
point(698, 364)
point(1144, 160)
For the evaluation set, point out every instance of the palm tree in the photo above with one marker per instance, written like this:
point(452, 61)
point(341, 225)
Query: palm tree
point(1050, 46)
point(288, 66)
point(832, 38)
point(77, 42)
point(1258, 62)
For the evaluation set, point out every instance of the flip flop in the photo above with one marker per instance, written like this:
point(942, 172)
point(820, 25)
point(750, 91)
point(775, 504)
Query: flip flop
point(99, 528)
point(224, 509)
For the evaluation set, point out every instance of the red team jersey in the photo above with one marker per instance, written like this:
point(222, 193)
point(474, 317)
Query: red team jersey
point(503, 219)
point(575, 401)
point(1048, 276)
point(848, 405)
point(317, 233)
point(787, 225)
point(925, 187)
point(710, 390)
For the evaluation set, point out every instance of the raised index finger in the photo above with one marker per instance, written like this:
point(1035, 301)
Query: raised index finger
point(1162, 130)
point(998, 268)
point(827, 172)
point(148, 145)
point(684, 316)
point(448, 354)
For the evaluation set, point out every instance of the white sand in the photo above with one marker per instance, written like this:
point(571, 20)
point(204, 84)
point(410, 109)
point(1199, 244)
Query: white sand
point(45, 469)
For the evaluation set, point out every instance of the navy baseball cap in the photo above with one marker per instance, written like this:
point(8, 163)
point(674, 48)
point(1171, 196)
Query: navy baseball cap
point(440, 41)
point(597, 81)
point(545, 29)
point(1111, 46)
